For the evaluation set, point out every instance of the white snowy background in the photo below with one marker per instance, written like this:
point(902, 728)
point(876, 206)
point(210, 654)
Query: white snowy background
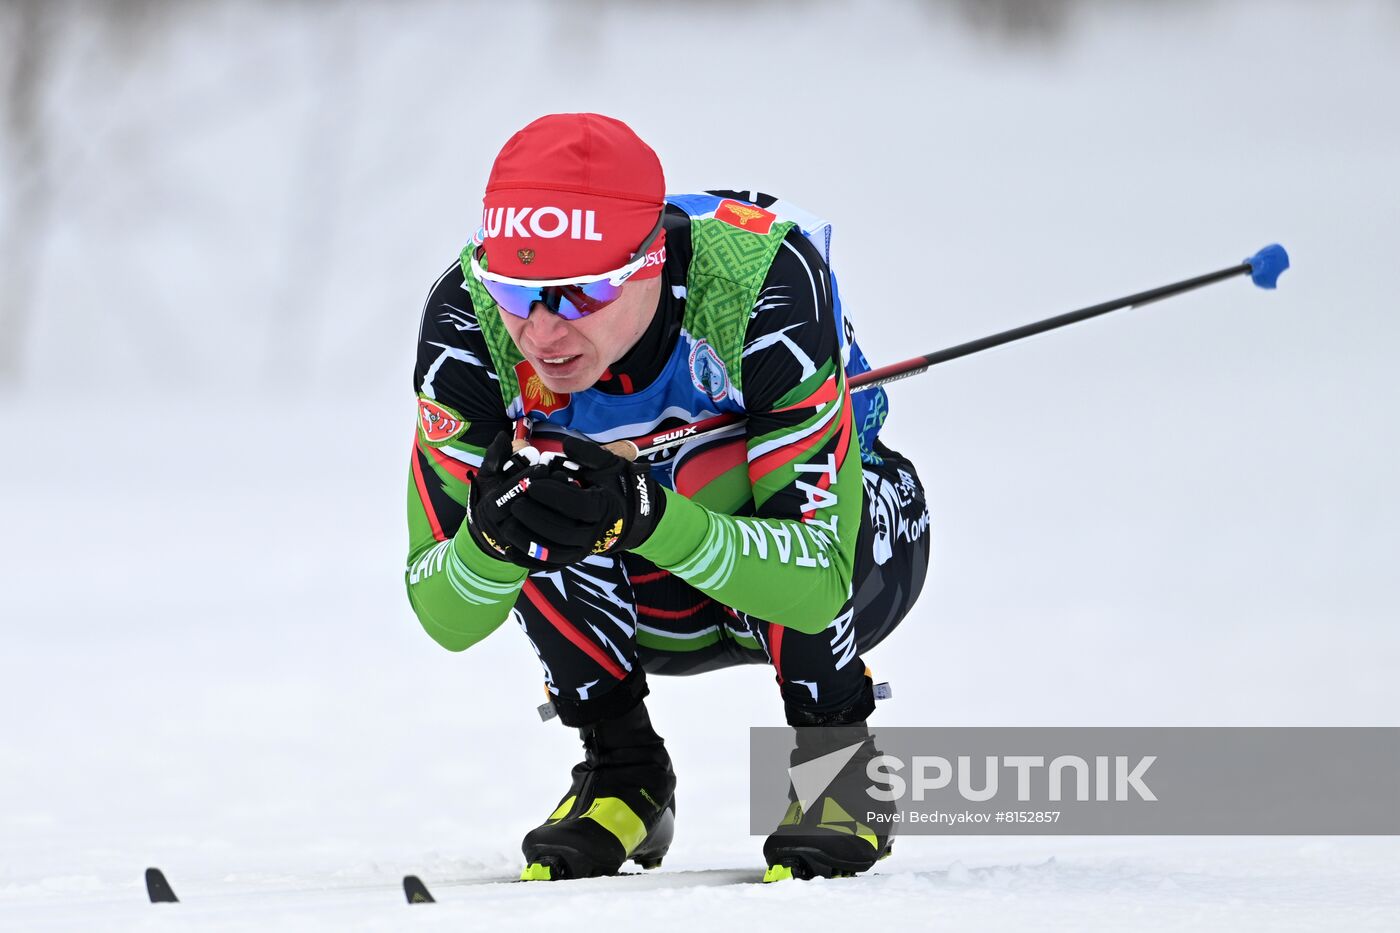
point(219, 221)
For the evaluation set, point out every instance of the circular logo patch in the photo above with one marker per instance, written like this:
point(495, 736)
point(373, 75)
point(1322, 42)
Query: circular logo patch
point(708, 372)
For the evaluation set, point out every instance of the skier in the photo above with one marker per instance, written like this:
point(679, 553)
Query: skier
point(590, 307)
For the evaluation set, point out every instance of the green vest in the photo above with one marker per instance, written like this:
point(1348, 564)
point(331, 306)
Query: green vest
point(727, 270)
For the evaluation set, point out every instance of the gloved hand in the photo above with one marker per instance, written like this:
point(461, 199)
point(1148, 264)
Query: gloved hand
point(502, 479)
point(591, 502)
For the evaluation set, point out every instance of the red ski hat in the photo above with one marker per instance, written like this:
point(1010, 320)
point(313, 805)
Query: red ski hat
point(573, 194)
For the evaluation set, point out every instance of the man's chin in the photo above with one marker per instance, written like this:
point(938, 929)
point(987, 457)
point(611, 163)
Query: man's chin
point(567, 387)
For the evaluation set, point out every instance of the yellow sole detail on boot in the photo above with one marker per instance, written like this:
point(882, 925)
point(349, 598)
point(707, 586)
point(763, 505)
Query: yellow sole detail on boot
point(777, 873)
point(536, 872)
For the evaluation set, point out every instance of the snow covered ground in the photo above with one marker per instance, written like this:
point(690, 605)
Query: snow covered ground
point(1184, 515)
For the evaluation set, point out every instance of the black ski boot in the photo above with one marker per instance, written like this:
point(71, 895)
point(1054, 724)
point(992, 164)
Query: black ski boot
point(621, 805)
point(836, 834)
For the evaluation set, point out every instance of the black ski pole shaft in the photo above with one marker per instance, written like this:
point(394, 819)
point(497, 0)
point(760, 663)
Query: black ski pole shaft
point(1264, 267)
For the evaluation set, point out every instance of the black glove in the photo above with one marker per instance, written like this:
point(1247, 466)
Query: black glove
point(500, 482)
point(591, 502)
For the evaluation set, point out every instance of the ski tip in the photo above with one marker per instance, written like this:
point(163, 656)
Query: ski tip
point(416, 891)
point(158, 888)
point(1267, 265)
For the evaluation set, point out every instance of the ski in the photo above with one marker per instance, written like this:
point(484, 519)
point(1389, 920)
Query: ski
point(160, 891)
point(711, 877)
point(416, 891)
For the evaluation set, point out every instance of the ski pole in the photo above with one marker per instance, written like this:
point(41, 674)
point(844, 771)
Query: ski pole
point(1264, 268)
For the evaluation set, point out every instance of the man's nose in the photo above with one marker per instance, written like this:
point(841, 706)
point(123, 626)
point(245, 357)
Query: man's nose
point(545, 326)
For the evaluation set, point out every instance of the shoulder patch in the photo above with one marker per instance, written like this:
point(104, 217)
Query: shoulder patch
point(745, 216)
point(437, 423)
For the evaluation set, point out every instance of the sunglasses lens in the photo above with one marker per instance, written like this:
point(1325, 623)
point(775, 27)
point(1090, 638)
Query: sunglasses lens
point(570, 302)
point(585, 299)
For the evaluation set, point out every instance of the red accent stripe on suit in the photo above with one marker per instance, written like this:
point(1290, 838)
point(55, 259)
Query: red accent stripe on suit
point(423, 497)
point(649, 577)
point(824, 393)
point(697, 472)
point(775, 647)
point(455, 468)
point(651, 613)
point(567, 629)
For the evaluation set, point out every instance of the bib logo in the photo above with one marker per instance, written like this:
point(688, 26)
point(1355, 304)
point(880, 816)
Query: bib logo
point(438, 423)
point(745, 216)
point(534, 394)
point(544, 222)
point(707, 372)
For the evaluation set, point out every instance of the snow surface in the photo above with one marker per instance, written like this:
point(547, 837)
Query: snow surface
point(1184, 515)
